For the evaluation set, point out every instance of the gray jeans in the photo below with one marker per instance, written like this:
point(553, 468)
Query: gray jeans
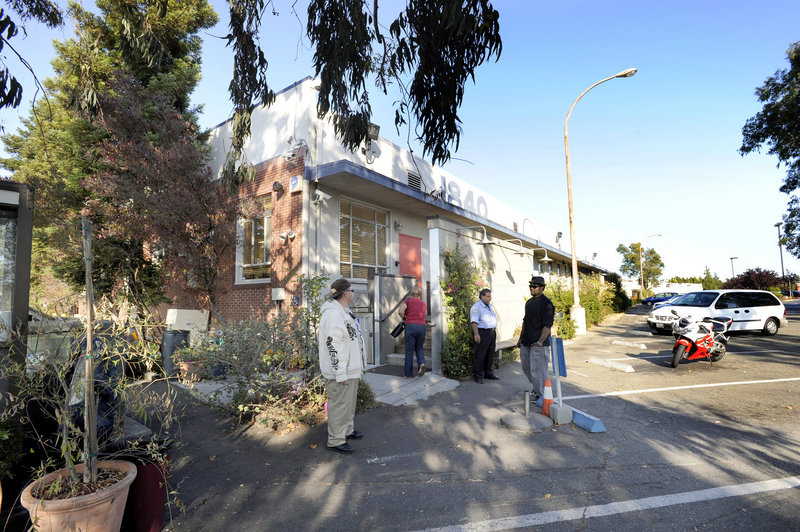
point(341, 409)
point(534, 365)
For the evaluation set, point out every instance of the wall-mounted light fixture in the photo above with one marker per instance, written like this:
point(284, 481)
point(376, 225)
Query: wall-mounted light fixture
point(372, 134)
point(286, 236)
point(594, 256)
point(521, 251)
point(277, 186)
point(398, 226)
point(546, 258)
point(485, 241)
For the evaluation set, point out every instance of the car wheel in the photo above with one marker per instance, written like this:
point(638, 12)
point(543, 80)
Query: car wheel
point(770, 327)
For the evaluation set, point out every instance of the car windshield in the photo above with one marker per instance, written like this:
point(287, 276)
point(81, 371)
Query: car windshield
point(695, 299)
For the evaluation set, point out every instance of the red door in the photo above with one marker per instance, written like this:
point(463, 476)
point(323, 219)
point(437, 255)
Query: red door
point(411, 256)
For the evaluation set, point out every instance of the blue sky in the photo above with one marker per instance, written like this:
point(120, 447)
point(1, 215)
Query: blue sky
point(655, 153)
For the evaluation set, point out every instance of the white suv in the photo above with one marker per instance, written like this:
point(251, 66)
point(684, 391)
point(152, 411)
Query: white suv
point(751, 310)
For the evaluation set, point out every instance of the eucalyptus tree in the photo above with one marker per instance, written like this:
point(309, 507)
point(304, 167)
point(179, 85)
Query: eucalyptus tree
point(777, 126)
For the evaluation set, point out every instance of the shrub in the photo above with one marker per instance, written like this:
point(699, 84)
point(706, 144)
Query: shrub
point(560, 294)
point(365, 398)
point(271, 363)
point(460, 289)
point(620, 302)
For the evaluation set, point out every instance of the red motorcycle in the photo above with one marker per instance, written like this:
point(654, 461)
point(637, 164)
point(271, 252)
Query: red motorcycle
point(699, 339)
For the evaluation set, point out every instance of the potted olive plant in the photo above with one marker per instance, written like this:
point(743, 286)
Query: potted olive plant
point(87, 494)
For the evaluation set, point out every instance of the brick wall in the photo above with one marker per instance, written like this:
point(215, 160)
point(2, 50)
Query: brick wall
point(237, 302)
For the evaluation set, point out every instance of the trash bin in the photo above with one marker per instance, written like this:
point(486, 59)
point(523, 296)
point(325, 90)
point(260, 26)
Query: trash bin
point(172, 340)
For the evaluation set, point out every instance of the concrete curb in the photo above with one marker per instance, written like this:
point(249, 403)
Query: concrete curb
point(587, 422)
point(649, 334)
point(619, 366)
point(629, 344)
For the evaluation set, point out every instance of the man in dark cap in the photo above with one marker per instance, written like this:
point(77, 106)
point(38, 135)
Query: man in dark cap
point(341, 362)
point(535, 336)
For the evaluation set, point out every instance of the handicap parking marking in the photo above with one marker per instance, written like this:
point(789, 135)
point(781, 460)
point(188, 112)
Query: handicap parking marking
point(614, 508)
point(672, 388)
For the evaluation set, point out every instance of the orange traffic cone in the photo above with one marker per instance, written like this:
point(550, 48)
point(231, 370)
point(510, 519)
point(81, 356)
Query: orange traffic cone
point(547, 398)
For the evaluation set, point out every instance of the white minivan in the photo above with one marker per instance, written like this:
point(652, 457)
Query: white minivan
point(751, 310)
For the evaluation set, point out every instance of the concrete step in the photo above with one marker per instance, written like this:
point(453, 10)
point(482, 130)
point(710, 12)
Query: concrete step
point(399, 359)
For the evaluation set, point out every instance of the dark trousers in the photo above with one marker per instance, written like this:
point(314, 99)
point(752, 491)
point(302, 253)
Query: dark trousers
point(484, 352)
point(415, 339)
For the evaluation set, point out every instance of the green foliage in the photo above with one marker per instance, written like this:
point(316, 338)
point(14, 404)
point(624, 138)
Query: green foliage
point(708, 280)
point(460, 288)
point(438, 45)
point(52, 384)
point(595, 298)
point(620, 301)
point(11, 440)
point(43, 11)
point(272, 363)
point(777, 126)
point(365, 398)
point(711, 282)
point(560, 294)
point(650, 266)
point(598, 298)
point(57, 148)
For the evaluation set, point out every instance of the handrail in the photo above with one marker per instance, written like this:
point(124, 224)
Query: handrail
point(395, 307)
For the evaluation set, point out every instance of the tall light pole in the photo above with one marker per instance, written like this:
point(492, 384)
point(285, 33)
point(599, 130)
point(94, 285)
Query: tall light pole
point(578, 313)
point(733, 274)
point(641, 264)
point(780, 247)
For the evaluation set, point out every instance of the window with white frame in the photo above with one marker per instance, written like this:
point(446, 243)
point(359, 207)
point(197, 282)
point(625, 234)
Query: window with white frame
point(253, 262)
point(362, 240)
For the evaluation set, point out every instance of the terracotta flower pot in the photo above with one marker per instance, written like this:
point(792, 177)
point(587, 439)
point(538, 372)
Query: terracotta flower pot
point(96, 512)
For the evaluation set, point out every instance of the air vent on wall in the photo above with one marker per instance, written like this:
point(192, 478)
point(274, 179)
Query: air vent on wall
point(414, 181)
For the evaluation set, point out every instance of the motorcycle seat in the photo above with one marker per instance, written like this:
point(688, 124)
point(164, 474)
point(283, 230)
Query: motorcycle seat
point(721, 324)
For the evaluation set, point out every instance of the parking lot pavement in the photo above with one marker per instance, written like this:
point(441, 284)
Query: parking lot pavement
point(677, 439)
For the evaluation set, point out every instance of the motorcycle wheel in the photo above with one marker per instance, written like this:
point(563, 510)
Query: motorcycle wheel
point(721, 350)
point(678, 355)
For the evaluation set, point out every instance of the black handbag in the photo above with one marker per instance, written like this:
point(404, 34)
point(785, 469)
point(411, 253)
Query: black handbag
point(398, 329)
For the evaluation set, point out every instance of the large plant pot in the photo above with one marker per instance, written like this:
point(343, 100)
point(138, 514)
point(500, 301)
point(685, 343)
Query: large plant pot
point(96, 512)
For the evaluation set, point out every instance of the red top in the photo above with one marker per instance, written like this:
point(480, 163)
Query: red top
point(415, 311)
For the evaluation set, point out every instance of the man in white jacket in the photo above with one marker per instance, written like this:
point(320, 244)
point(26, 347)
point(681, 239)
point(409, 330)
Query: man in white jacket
point(341, 360)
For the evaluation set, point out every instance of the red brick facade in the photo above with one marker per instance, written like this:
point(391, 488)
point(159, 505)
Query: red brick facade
point(237, 302)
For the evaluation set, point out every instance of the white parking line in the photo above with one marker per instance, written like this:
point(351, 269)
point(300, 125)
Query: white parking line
point(635, 357)
point(636, 505)
point(687, 387)
point(638, 357)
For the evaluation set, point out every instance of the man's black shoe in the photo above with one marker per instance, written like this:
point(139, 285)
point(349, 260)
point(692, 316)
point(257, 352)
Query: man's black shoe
point(344, 448)
point(492, 377)
point(355, 435)
point(479, 380)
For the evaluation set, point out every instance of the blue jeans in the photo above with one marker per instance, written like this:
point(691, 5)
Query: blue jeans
point(415, 338)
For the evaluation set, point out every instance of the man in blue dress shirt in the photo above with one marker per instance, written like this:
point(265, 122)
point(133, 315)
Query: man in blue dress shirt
point(484, 322)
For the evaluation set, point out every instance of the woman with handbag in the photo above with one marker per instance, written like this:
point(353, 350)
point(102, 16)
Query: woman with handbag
point(413, 311)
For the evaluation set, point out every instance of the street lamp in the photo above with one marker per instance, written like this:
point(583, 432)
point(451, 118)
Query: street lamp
point(641, 264)
point(733, 274)
point(578, 313)
point(780, 247)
